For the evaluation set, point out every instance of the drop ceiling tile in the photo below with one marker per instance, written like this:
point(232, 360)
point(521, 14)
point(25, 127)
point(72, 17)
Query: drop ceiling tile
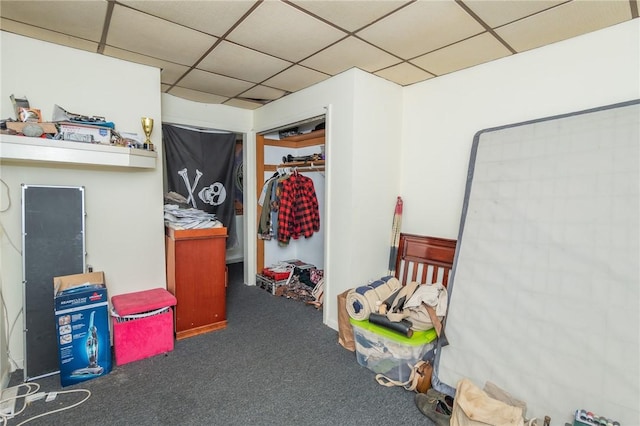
point(170, 71)
point(349, 14)
point(214, 83)
point(239, 62)
point(195, 95)
point(239, 103)
point(61, 16)
point(262, 93)
point(563, 22)
point(211, 17)
point(150, 36)
point(296, 78)
point(421, 27)
point(404, 74)
point(467, 53)
point(348, 53)
point(496, 13)
point(284, 31)
point(48, 36)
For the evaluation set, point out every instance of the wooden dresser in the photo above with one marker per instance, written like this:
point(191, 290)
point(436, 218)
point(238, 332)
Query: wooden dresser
point(197, 277)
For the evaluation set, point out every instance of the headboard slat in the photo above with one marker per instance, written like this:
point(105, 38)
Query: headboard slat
point(428, 254)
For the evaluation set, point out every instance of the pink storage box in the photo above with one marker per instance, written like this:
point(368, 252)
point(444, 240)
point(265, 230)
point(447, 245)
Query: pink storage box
point(142, 324)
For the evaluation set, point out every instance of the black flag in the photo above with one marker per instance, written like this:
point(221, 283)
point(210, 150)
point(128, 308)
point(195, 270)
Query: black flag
point(199, 166)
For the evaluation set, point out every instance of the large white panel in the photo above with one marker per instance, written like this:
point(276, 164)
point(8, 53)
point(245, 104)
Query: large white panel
point(537, 294)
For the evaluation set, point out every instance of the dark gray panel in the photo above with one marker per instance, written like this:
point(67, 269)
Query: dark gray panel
point(53, 245)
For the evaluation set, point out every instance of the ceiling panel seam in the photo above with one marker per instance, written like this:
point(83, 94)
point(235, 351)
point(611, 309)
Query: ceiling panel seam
point(105, 26)
point(485, 26)
point(218, 41)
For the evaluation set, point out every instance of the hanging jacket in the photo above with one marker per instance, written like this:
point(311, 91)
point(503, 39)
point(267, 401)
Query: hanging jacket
point(298, 213)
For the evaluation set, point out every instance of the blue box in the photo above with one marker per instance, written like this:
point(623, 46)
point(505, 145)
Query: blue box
point(82, 325)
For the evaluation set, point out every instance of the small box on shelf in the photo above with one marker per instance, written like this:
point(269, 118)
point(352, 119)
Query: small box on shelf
point(85, 133)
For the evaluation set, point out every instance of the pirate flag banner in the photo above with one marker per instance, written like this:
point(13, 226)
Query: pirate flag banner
point(199, 166)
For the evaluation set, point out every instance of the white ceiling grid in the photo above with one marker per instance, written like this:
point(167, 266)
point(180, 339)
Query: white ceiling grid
point(246, 53)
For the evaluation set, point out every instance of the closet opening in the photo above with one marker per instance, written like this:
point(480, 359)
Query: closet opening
point(290, 173)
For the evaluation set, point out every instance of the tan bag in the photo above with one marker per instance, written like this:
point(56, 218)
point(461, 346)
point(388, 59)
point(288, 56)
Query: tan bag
point(473, 407)
point(345, 330)
point(419, 379)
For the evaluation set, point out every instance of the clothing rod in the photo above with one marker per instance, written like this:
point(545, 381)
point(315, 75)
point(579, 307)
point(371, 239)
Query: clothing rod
point(309, 169)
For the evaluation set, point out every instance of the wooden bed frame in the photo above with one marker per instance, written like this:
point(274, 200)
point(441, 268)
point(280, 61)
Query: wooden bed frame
point(424, 259)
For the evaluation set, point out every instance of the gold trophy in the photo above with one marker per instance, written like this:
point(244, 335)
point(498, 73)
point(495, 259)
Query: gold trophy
point(147, 128)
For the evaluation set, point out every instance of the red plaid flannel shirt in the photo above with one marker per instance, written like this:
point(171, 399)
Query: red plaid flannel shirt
point(298, 213)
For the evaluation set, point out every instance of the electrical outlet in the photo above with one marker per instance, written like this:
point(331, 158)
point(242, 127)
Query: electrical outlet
point(8, 404)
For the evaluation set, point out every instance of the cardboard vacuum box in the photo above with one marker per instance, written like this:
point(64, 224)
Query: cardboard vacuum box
point(82, 325)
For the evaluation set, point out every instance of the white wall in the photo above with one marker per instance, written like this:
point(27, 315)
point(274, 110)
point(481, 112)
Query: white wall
point(220, 117)
point(5, 368)
point(124, 223)
point(236, 254)
point(441, 116)
point(361, 176)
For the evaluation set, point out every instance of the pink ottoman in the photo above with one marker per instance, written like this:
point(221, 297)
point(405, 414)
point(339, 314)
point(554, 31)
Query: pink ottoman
point(142, 324)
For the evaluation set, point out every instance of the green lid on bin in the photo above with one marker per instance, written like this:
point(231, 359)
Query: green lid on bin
point(418, 338)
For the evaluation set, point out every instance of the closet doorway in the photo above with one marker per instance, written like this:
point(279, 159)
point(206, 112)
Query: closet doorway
point(296, 154)
point(211, 177)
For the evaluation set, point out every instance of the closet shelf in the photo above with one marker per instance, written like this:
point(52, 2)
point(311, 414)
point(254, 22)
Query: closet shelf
point(299, 141)
point(307, 165)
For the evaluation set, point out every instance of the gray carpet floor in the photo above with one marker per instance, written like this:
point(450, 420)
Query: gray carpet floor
point(274, 364)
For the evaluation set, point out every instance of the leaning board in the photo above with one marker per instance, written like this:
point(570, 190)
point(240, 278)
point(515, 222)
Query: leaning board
point(544, 292)
point(53, 241)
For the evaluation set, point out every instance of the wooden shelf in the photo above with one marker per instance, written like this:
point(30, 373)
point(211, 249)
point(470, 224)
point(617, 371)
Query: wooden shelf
point(298, 141)
point(38, 150)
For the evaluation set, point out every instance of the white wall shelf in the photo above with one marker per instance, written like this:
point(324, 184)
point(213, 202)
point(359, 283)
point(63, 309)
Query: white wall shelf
point(38, 150)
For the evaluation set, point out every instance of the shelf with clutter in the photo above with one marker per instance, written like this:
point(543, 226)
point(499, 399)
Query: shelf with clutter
point(71, 139)
point(40, 150)
point(315, 137)
point(314, 162)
